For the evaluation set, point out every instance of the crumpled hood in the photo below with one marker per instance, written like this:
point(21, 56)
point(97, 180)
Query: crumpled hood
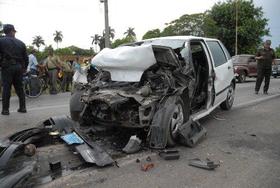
point(125, 63)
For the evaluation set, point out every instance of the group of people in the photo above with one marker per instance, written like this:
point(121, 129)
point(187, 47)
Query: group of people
point(53, 67)
point(14, 61)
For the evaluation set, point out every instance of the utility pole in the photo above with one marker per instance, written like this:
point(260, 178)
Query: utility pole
point(107, 30)
point(236, 26)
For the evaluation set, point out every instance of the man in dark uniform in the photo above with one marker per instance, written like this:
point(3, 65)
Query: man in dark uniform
point(265, 58)
point(14, 61)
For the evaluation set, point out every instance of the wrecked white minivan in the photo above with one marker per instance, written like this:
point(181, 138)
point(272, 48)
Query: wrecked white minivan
point(158, 85)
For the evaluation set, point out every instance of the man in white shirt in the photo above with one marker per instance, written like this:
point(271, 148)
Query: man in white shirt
point(33, 63)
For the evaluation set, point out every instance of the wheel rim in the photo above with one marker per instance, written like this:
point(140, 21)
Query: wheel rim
point(243, 77)
point(177, 120)
point(230, 96)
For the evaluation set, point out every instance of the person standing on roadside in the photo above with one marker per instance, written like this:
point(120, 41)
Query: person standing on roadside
point(14, 61)
point(53, 64)
point(67, 76)
point(265, 57)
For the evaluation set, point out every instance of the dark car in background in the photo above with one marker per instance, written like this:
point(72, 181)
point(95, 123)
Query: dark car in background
point(244, 65)
point(276, 68)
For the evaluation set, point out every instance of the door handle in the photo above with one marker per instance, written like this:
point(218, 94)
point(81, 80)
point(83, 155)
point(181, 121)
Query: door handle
point(229, 67)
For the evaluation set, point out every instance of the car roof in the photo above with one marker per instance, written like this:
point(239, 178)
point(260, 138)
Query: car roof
point(189, 37)
point(244, 55)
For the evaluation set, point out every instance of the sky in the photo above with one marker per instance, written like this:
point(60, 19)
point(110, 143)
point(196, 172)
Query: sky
point(80, 19)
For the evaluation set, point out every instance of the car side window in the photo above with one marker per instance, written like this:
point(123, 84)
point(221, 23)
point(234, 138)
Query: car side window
point(217, 52)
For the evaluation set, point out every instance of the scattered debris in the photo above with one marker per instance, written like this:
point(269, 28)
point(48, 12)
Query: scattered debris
point(148, 159)
point(133, 145)
point(191, 132)
point(169, 154)
point(207, 164)
point(137, 160)
point(72, 138)
point(146, 167)
point(54, 166)
point(13, 179)
point(30, 149)
point(116, 164)
point(253, 135)
point(218, 118)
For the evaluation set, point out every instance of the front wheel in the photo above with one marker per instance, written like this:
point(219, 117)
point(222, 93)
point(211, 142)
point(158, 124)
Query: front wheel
point(32, 87)
point(178, 116)
point(242, 77)
point(228, 103)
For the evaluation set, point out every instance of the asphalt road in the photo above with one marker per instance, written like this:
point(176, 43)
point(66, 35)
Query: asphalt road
point(244, 141)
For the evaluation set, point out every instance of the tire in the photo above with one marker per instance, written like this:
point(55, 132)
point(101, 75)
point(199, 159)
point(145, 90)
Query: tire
point(242, 77)
point(228, 103)
point(76, 106)
point(27, 88)
point(179, 115)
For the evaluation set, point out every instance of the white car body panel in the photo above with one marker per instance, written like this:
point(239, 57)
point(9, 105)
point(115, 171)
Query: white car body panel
point(125, 63)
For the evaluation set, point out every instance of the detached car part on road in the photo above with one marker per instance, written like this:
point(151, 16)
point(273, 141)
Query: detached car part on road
point(158, 85)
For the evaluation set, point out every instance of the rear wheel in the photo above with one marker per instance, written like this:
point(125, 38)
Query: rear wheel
point(242, 77)
point(227, 104)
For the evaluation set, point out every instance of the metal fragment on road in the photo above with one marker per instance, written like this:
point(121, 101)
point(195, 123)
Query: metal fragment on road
point(133, 145)
point(169, 154)
point(207, 164)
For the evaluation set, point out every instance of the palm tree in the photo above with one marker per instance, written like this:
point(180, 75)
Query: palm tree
point(57, 37)
point(1, 29)
point(130, 33)
point(96, 40)
point(111, 33)
point(38, 41)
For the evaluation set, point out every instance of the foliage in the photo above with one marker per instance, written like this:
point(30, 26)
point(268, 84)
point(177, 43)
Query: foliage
point(1, 29)
point(74, 50)
point(38, 41)
point(124, 40)
point(277, 51)
point(151, 34)
point(95, 39)
point(130, 33)
point(101, 40)
point(188, 24)
point(251, 24)
point(57, 37)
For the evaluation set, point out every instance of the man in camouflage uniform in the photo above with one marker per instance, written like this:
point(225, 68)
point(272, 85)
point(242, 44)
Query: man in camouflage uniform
point(265, 57)
point(53, 64)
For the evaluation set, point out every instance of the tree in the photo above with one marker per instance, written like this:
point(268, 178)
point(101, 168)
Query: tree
point(277, 51)
point(130, 33)
point(188, 24)
point(95, 40)
point(38, 41)
point(251, 24)
point(111, 33)
point(102, 38)
point(57, 37)
point(152, 34)
point(1, 29)
point(124, 40)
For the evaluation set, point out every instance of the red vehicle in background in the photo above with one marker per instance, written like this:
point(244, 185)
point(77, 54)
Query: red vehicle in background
point(244, 65)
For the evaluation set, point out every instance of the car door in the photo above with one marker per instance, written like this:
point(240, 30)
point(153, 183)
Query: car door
point(252, 64)
point(223, 69)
